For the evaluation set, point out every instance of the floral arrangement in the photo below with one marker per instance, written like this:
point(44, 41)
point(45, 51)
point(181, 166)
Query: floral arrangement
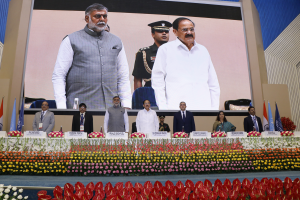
point(254, 134)
point(104, 158)
point(219, 134)
point(137, 135)
point(287, 124)
point(56, 134)
point(180, 135)
point(265, 189)
point(15, 134)
point(11, 193)
point(96, 135)
point(287, 133)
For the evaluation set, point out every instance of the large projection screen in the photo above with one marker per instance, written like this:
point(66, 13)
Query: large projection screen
point(219, 28)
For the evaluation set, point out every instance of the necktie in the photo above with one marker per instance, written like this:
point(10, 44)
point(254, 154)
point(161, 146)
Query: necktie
point(255, 124)
point(42, 115)
point(81, 119)
point(183, 117)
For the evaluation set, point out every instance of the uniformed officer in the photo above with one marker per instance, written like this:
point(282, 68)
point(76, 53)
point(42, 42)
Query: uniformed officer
point(145, 57)
point(163, 126)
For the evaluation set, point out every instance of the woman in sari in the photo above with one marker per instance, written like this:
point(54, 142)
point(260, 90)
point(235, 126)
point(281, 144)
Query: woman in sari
point(221, 124)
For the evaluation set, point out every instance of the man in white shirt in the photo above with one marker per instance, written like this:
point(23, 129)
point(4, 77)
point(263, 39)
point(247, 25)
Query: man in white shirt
point(44, 120)
point(91, 65)
point(116, 118)
point(146, 120)
point(183, 71)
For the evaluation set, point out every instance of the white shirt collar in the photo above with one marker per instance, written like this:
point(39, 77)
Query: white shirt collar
point(147, 110)
point(179, 43)
point(82, 113)
point(44, 111)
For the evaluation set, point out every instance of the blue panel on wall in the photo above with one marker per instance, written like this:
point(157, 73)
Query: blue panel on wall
point(275, 16)
point(3, 18)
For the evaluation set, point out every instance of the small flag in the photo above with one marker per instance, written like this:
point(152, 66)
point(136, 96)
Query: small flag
point(21, 118)
point(278, 124)
point(265, 119)
point(1, 116)
point(250, 104)
point(101, 130)
point(271, 123)
point(13, 119)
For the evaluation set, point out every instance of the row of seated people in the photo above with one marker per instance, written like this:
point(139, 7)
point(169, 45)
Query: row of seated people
point(116, 120)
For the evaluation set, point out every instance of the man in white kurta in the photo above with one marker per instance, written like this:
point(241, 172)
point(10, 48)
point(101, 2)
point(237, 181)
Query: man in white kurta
point(146, 120)
point(183, 71)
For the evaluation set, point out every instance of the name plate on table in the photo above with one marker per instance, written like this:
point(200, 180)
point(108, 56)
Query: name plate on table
point(3, 134)
point(271, 134)
point(239, 134)
point(159, 134)
point(35, 134)
point(200, 134)
point(75, 135)
point(116, 135)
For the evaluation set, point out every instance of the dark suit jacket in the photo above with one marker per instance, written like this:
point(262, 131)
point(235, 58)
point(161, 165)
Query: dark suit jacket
point(248, 124)
point(88, 122)
point(133, 129)
point(189, 124)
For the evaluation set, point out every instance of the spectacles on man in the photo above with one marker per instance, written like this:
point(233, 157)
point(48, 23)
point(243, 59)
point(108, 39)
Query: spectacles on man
point(99, 16)
point(185, 30)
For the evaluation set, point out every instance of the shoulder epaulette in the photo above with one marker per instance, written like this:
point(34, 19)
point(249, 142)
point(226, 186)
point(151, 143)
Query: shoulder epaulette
point(142, 49)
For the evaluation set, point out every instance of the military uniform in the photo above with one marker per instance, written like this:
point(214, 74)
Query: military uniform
point(145, 57)
point(144, 62)
point(164, 127)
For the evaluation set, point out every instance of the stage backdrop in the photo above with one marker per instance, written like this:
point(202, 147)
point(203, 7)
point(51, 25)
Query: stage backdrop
point(224, 39)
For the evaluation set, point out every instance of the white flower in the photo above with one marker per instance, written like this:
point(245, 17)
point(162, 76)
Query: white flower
point(15, 194)
point(1, 185)
point(1, 194)
point(20, 197)
point(1, 189)
point(26, 197)
point(20, 190)
point(6, 196)
point(13, 199)
point(9, 187)
point(7, 190)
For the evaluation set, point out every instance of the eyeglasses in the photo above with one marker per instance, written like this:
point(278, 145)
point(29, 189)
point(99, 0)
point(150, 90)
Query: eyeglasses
point(161, 31)
point(99, 16)
point(185, 30)
point(82, 107)
point(44, 104)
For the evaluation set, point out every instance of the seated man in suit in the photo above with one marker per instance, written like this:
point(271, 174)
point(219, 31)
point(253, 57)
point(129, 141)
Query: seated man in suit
point(252, 122)
point(116, 118)
point(183, 120)
point(44, 121)
point(82, 121)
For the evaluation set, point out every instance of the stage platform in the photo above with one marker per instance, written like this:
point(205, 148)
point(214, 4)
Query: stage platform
point(52, 181)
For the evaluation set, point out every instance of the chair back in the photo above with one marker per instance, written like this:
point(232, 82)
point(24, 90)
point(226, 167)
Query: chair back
point(38, 104)
point(238, 102)
point(141, 94)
